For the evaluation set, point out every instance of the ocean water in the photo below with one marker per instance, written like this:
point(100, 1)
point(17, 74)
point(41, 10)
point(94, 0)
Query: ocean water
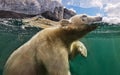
point(103, 47)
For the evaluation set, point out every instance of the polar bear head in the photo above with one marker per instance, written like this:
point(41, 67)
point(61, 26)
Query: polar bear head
point(81, 19)
point(84, 19)
point(80, 25)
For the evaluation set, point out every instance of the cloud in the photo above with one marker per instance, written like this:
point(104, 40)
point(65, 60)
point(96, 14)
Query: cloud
point(96, 3)
point(114, 20)
point(99, 14)
point(112, 13)
point(90, 3)
point(72, 9)
point(85, 3)
point(60, 1)
point(111, 8)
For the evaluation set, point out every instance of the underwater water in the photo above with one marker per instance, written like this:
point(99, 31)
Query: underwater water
point(102, 45)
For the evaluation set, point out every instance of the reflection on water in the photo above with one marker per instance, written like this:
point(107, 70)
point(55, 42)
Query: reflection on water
point(102, 44)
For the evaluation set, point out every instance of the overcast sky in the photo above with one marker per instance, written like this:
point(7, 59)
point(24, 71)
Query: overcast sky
point(109, 9)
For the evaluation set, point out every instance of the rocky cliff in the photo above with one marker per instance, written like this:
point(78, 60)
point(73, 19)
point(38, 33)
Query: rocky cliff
point(11, 14)
point(29, 6)
point(58, 14)
point(51, 9)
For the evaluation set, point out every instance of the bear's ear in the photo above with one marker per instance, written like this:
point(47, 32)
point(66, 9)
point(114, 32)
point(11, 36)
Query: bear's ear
point(64, 22)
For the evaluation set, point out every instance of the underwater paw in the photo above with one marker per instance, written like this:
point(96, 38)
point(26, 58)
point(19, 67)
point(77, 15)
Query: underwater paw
point(82, 49)
point(78, 47)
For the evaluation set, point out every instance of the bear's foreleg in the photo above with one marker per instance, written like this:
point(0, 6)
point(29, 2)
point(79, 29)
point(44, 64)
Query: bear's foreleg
point(76, 48)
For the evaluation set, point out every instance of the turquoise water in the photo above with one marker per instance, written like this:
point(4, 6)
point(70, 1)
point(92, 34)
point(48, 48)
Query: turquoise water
point(103, 47)
point(103, 57)
point(103, 53)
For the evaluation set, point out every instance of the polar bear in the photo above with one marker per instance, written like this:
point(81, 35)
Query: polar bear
point(47, 52)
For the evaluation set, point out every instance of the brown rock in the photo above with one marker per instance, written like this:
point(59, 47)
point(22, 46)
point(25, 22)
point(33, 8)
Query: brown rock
point(11, 14)
point(56, 15)
point(68, 13)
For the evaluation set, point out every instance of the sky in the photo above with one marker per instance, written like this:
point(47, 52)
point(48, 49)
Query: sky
point(108, 9)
